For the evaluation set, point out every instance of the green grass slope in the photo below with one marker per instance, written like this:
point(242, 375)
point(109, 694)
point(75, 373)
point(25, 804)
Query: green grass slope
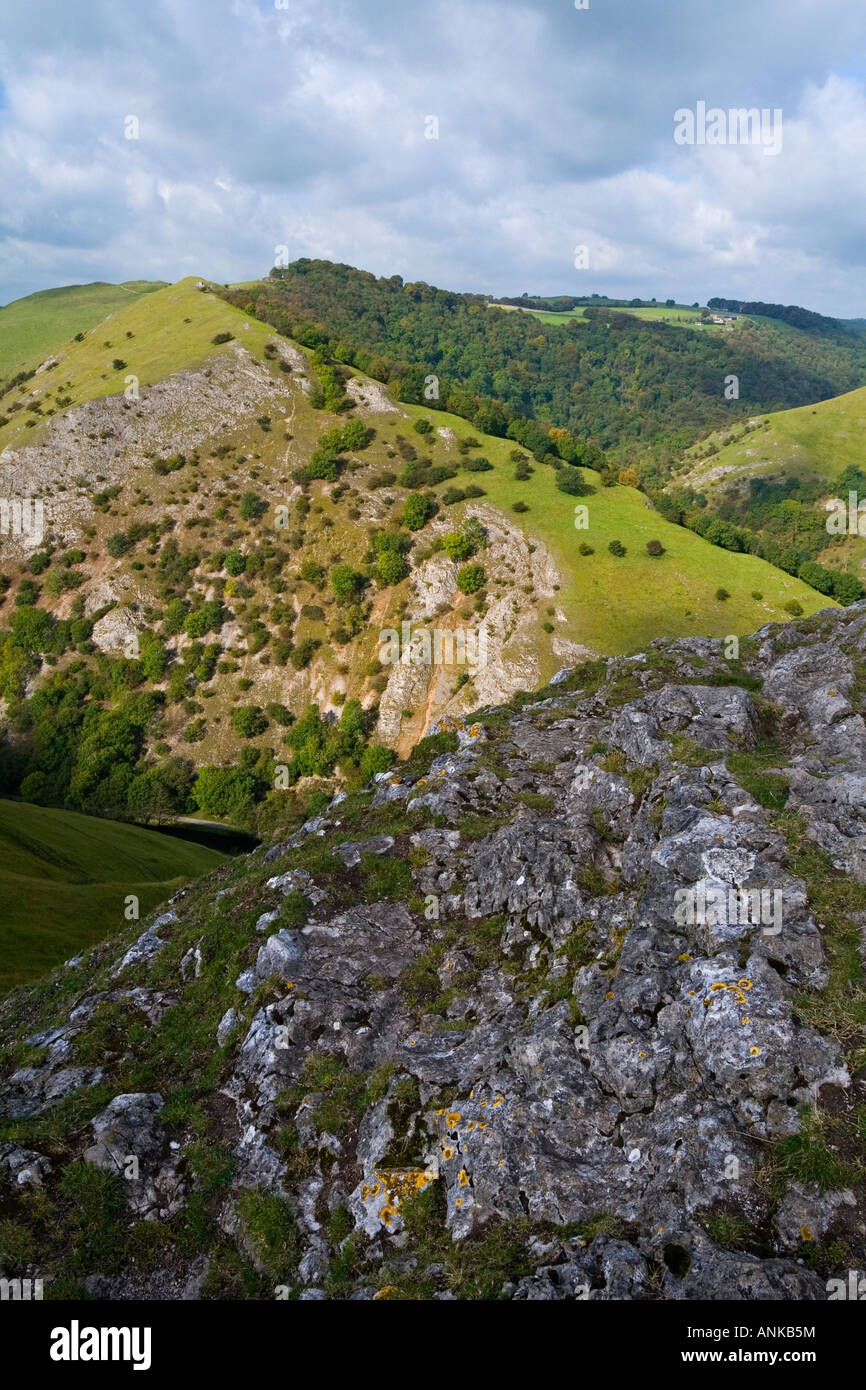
point(612, 605)
point(617, 605)
point(814, 443)
point(65, 878)
point(154, 335)
point(33, 327)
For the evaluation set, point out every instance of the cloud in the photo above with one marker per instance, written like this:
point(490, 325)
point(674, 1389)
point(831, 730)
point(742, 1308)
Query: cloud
point(307, 126)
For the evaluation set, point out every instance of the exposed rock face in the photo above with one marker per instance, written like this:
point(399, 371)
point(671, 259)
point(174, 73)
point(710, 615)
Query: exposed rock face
point(500, 650)
point(116, 436)
point(572, 980)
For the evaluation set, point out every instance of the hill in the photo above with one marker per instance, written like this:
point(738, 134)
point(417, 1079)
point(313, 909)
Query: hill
point(775, 475)
point(631, 386)
point(233, 522)
point(573, 1008)
point(41, 323)
point(67, 879)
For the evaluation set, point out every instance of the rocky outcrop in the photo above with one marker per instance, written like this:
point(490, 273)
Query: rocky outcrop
point(585, 978)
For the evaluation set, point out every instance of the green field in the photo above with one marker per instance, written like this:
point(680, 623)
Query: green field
point(65, 879)
point(680, 314)
point(33, 327)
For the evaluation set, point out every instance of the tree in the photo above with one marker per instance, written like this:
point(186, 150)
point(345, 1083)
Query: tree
point(391, 567)
point(346, 582)
point(470, 578)
point(570, 480)
point(417, 510)
point(225, 791)
point(235, 562)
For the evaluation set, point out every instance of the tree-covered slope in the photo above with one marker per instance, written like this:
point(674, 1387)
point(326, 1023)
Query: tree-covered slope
point(628, 385)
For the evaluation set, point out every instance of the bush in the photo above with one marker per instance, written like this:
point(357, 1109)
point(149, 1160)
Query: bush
point(478, 465)
point(252, 507)
point(617, 548)
point(235, 562)
point(391, 567)
point(423, 427)
point(249, 721)
point(793, 607)
point(222, 338)
point(570, 480)
point(722, 594)
point(346, 582)
point(457, 546)
point(417, 511)
point(470, 578)
point(520, 507)
point(118, 544)
point(654, 548)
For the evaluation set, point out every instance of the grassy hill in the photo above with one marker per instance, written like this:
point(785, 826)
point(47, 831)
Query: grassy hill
point(65, 878)
point(810, 447)
point(132, 539)
point(41, 323)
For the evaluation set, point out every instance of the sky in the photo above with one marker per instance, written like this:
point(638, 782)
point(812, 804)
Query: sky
point(508, 147)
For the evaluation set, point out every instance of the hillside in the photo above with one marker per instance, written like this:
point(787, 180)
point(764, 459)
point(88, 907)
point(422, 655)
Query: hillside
point(41, 323)
point(67, 881)
point(777, 474)
point(572, 1008)
point(633, 387)
point(232, 523)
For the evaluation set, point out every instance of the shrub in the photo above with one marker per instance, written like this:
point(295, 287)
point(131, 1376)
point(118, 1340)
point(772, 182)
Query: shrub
point(391, 567)
point(118, 544)
point(248, 721)
point(252, 507)
point(617, 548)
point(235, 562)
point(722, 594)
point(570, 480)
point(346, 582)
point(417, 511)
point(654, 548)
point(222, 338)
point(470, 578)
point(793, 607)
point(457, 546)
